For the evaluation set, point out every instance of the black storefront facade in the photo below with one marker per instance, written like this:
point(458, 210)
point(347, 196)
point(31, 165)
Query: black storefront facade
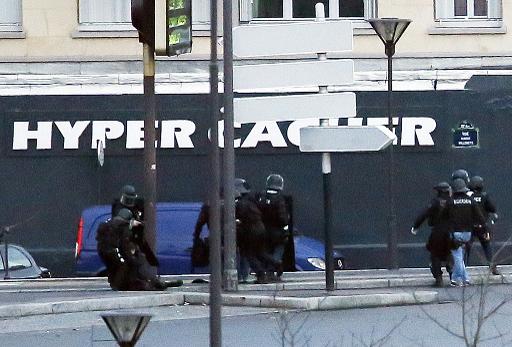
point(49, 168)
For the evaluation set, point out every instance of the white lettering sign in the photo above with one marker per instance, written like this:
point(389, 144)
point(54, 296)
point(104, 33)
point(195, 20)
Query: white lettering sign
point(414, 131)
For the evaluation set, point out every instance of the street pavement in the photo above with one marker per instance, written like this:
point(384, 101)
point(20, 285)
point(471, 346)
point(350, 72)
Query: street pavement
point(298, 290)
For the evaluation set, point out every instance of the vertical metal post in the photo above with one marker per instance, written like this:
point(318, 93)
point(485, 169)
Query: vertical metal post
point(230, 268)
point(149, 149)
point(6, 254)
point(393, 233)
point(214, 223)
point(326, 176)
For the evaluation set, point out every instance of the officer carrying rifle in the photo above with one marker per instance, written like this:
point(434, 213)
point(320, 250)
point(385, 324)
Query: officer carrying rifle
point(123, 248)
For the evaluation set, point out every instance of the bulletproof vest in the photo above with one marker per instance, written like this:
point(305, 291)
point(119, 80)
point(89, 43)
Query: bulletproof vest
point(480, 200)
point(461, 212)
point(273, 209)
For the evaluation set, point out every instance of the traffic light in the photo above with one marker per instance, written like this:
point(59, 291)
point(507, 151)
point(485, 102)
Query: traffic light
point(166, 25)
point(143, 19)
point(175, 36)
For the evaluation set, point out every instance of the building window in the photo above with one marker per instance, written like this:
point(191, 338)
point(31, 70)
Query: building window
point(10, 16)
point(105, 15)
point(468, 10)
point(298, 9)
point(115, 15)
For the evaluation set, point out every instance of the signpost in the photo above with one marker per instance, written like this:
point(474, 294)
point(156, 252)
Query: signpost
point(293, 107)
point(345, 138)
point(300, 74)
point(293, 38)
point(319, 37)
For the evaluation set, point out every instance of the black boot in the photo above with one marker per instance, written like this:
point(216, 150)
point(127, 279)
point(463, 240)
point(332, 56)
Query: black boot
point(494, 270)
point(439, 281)
point(261, 278)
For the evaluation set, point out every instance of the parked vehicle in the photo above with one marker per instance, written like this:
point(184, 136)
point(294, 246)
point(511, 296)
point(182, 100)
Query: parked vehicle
point(21, 264)
point(175, 226)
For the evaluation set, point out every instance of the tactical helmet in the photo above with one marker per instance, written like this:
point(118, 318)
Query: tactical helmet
point(461, 173)
point(125, 214)
point(476, 183)
point(275, 181)
point(128, 196)
point(442, 187)
point(241, 186)
point(459, 186)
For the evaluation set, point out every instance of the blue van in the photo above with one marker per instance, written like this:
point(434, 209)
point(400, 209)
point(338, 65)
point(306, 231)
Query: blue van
point(175, 226)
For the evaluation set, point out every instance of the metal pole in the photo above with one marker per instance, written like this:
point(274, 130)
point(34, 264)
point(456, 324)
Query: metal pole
point(214, 222)
point(230, 268)
point(149, 149)
point(326, 176)
point(393, 234)
point(6, 254)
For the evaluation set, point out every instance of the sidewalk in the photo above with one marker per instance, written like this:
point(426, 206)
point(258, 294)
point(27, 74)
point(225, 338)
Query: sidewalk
point(299, 290)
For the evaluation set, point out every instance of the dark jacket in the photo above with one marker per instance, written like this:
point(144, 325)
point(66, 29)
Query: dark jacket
point(249, 222)
point(464, 212)
point(439, 241)
point(275, 214)
point(484, 203)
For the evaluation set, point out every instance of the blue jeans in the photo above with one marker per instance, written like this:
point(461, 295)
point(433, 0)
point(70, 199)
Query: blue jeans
point(459, 273)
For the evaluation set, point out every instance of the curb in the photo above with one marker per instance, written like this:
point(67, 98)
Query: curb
point(320, 303)
point(269, 301)
point(84, 305)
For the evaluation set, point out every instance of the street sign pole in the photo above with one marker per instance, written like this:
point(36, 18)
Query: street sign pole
point(230, 269)
point(215, 244)
point(326, 175)
point(149, 149)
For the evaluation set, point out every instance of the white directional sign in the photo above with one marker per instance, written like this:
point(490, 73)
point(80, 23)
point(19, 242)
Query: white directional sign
point(291, 107)
point(293, 38)
point(301, 74)
point(345, 138)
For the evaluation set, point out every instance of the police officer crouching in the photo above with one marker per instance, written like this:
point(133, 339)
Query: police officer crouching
point(123, 249)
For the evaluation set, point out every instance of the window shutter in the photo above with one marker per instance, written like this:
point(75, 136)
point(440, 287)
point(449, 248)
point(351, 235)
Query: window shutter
point(105, 11)
point(444, 9)
point(370, 9)
point(10, 15)
point(495, 9)
point(201, 14)
point(245, 10)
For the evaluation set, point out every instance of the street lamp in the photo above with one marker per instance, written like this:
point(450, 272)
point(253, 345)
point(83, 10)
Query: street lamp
point(126, 327)
point(390, 30)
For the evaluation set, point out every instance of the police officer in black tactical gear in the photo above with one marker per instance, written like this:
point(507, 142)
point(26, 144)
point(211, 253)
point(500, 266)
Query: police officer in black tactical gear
point(276, 217)
point(439, 241)
point(251, 233)
point(463, 214)
point(119, 253)
point(482, 232)
point(145, 257)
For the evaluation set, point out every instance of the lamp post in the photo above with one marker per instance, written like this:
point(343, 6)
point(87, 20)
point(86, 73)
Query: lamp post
point(389, 31)
point(126, 327)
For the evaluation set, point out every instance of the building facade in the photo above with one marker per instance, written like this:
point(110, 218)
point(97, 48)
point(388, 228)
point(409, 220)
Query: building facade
point(90, 46)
